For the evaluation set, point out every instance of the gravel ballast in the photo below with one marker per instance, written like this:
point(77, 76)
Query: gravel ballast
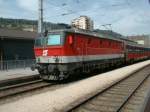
point(65, 98)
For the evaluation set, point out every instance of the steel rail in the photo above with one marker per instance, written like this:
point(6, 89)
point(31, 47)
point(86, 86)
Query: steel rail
point(22, 88)
point(112, 93)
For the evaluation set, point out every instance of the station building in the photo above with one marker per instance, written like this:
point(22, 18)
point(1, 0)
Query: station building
point(141, 39)
point(16, 44)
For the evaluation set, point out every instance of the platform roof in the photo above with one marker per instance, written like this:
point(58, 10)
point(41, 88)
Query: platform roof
point(17, 34)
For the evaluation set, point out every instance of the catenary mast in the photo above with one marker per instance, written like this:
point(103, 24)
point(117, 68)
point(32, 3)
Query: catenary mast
point(40, 19)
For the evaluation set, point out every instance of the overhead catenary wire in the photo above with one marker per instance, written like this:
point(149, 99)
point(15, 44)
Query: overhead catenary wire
point(67, 11)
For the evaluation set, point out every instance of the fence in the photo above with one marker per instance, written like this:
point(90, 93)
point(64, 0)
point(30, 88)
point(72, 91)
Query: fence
point(15, 64)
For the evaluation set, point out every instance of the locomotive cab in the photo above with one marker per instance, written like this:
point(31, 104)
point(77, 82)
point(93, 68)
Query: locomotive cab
point(49, 40)
point(50, 53)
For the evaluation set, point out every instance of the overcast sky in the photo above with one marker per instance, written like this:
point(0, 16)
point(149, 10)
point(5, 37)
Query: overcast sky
point(128, 17)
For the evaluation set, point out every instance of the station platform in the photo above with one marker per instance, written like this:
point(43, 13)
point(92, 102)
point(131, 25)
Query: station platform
point(55, 101)
point(16, 73)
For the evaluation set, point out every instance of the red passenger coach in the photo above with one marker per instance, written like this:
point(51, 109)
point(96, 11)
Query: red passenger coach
point(136, 52)
point(64, 53)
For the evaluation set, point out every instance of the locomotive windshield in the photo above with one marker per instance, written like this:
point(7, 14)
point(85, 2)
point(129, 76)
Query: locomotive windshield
point(51, 39)
point(54, 40)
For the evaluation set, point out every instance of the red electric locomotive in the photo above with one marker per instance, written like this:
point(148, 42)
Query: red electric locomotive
point(63, 53)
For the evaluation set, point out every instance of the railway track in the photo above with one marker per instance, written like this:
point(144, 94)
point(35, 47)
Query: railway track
point(18, 80)
point(124, 96)
point(14, 89)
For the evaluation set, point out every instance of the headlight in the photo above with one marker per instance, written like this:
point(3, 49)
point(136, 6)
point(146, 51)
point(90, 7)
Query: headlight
point(37, 60)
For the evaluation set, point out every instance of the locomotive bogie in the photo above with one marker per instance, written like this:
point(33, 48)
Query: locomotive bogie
point(65, 70)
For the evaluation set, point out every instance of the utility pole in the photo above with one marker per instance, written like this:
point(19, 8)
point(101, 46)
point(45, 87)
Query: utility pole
point(40, 20)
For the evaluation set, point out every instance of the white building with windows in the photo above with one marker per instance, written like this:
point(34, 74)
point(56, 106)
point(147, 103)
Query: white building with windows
point(83, 22)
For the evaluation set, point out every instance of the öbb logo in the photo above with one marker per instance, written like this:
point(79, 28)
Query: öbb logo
point(45, 52)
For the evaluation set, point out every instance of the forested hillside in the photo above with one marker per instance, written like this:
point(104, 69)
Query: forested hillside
point(23, 24)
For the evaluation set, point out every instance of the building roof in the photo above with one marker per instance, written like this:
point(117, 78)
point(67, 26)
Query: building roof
point(138, 36)
point(17, 34)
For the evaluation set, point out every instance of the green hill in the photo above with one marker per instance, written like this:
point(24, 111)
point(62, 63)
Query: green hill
point(23, 24)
